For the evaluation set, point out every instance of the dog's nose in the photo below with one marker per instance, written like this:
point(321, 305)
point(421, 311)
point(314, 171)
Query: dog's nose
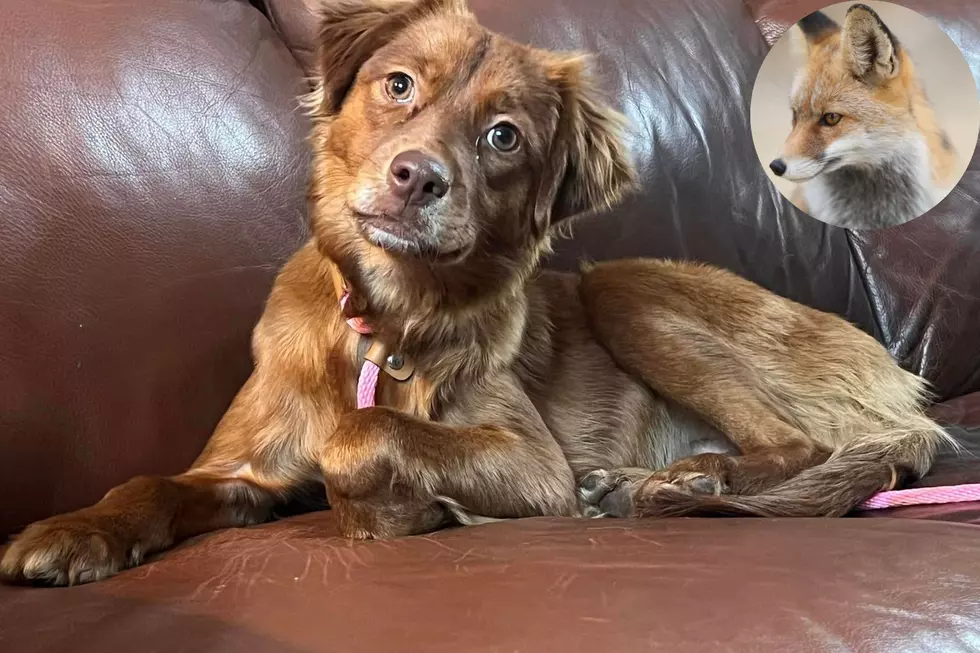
point(778, 166)
point(418, 178)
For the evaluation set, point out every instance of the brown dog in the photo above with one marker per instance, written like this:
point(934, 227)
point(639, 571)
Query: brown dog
point(445, 156)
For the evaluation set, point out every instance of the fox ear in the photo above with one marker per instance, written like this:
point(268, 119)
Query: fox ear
point(590, 169)
point(353, 30)
point(869, 48)
point(816, 27)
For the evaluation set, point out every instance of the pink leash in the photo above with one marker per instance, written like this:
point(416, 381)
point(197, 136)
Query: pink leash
point(367, 382)
point(920, 496)
point(367, 387)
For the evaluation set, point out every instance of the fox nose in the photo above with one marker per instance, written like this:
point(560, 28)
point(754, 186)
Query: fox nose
point(778, 166)
point(418, 178)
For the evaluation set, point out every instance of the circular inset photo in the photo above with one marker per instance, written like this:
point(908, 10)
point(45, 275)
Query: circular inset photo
point(865, 115)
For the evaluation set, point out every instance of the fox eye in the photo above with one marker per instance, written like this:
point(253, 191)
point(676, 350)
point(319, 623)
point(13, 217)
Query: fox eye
point(400, 87)
point(830, 119)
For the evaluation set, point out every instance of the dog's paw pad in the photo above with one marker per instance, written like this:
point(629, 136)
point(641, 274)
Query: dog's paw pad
point(606, 493)
point(593, 483)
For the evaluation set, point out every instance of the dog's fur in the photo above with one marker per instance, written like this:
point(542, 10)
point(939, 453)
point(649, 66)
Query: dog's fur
point(886, 160)
point(636, 388)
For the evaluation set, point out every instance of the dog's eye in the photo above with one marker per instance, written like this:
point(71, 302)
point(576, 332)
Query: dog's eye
point(830, 119)
point(400, 87)
point(503, 137)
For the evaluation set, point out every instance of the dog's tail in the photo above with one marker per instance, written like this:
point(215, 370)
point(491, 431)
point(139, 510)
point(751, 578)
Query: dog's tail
point(855, 472)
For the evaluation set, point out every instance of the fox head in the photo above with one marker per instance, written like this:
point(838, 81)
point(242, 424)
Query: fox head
point(852, 101)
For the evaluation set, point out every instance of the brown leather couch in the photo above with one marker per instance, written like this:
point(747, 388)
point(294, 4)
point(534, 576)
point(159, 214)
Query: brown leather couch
point(152, 172)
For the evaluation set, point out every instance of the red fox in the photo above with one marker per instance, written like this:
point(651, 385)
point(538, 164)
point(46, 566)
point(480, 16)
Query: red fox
point(865, 144)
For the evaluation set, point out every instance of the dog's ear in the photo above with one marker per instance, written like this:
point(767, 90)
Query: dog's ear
point(353, 30)
point(816, 27)
point(869, 48)
point(589, 168)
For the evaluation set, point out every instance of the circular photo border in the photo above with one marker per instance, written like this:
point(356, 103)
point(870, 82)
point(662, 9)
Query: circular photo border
point(865, 115)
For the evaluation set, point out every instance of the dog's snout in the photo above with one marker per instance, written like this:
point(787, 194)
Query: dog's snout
point(418, 178)
point(778, 166)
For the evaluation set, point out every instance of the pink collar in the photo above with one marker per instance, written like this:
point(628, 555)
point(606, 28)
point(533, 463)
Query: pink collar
point(375, 360)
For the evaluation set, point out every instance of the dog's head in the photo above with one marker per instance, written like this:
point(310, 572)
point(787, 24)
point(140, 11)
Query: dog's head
point(442, 144)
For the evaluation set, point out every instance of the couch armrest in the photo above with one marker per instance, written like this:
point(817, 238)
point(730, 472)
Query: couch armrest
point(152, 175)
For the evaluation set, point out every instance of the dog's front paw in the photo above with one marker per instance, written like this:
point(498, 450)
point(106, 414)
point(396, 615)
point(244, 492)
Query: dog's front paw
point(67, 550)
